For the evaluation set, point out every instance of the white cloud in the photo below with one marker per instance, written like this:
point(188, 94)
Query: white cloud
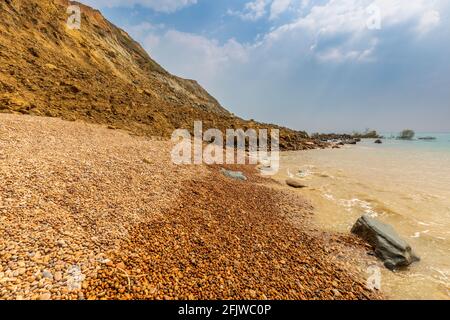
point(253, 11)
point(304, 3)
point(139, 31)
point(203, 58)
point(166, 6)
point(334, 32)
point(351, 15)
point(347, 21)
point(278, 7)
point(343, 53)
point(428, 21)
point(257, 9)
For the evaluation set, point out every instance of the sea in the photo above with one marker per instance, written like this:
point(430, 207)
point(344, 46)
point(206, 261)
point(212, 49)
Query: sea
point(402, 183)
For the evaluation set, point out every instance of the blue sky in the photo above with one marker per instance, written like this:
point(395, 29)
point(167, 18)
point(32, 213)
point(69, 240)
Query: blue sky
point(326, 65)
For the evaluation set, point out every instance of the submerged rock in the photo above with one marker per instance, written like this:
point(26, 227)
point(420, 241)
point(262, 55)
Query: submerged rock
point(428, 138)
point(234, 174)
point(388, 245)
point(378, 141)
point(295, 183)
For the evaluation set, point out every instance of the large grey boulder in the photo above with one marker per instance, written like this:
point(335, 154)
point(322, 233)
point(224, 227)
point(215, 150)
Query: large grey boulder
point(388, 246)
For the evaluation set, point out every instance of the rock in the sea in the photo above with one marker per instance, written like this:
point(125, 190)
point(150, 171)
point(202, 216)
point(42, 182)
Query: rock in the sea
point(295, 183)
point(378, 141)
point(234, 174)
point(351, 141)
point(388, 245)
point(427, 138)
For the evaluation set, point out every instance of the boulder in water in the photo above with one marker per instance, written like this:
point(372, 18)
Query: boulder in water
point(388, 245)
point(378, 141)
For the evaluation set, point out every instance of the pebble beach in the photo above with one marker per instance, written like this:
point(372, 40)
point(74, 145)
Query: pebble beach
point(87, 212)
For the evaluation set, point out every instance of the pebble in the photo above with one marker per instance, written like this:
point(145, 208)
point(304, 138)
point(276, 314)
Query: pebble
point(58, 276)
point(61, 243)
point(45, 296)
point(121, 265)
point(47, 274)
point(336, 292)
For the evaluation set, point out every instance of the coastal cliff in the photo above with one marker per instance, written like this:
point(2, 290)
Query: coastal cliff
point(99, 74)
point(91, 205)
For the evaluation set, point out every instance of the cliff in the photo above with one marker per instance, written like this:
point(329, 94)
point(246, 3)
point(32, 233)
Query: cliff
point(99, 74)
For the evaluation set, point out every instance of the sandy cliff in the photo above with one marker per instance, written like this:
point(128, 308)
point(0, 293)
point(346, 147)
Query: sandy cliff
point(99, 74)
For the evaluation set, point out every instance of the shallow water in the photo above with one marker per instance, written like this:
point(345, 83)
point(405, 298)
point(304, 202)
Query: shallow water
point(403, 183)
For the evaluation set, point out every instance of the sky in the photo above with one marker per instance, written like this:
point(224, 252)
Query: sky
point(319, 66)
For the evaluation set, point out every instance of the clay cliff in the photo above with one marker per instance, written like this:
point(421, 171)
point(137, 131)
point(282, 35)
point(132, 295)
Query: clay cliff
point(99, 74)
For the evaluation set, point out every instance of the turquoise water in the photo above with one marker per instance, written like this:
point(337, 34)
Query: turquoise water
point(442, 142)
point(405, 184)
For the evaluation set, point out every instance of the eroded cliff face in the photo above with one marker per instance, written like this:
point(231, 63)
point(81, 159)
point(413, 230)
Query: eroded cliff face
point(99, 74)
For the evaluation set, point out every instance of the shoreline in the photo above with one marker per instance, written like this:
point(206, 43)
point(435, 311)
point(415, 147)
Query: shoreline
point(392, 188)
point(93, 213)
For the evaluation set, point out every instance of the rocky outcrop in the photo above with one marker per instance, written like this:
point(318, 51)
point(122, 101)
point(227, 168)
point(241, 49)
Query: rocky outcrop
point(388, 246)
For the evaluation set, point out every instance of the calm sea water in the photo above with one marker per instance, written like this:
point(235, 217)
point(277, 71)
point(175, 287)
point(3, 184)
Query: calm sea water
point(441, 144)
point(402, 183)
